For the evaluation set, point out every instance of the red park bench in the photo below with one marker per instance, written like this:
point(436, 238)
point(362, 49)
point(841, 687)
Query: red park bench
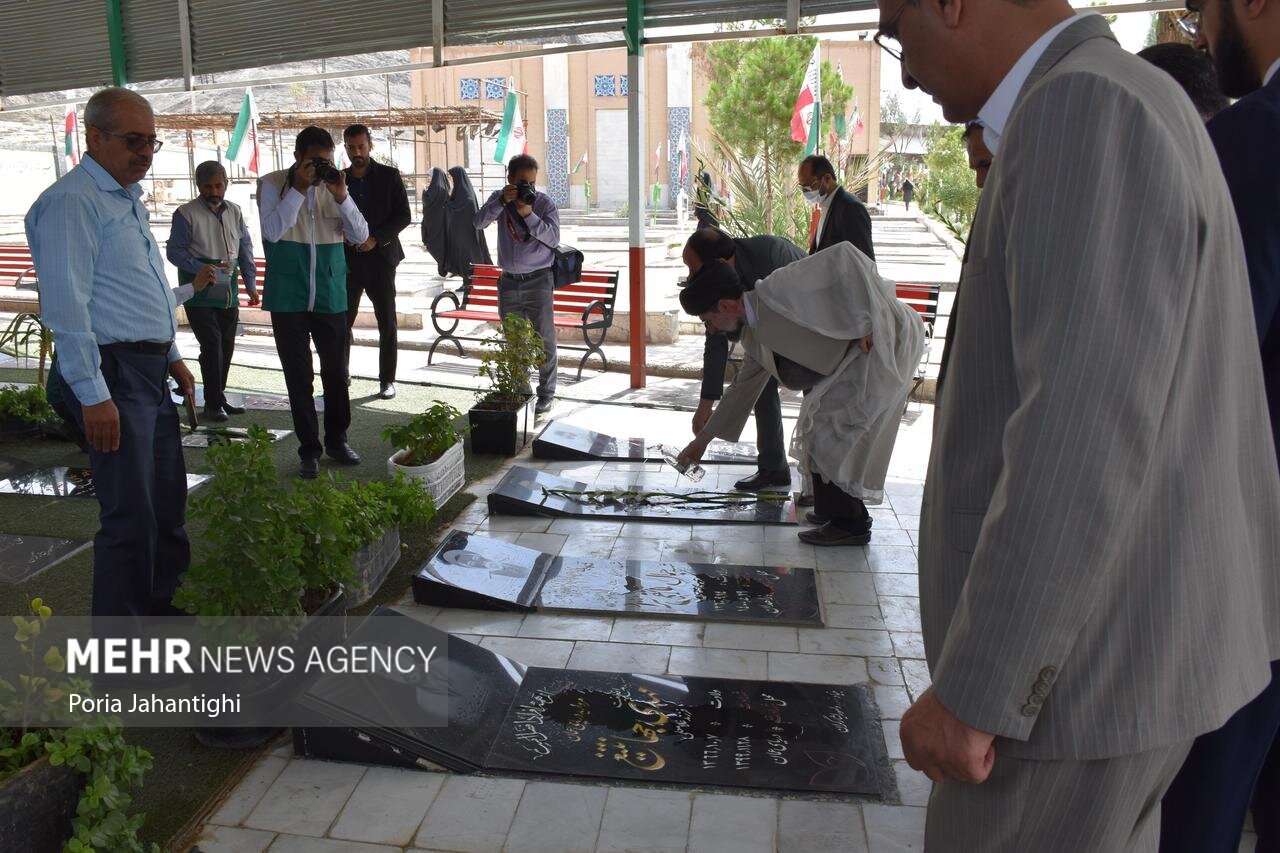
point(587, 305)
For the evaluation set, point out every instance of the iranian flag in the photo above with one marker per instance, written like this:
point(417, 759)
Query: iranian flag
point(511, 138)
point(71, 137)
point(806, 119)
point(243, 148)
point(581, 162)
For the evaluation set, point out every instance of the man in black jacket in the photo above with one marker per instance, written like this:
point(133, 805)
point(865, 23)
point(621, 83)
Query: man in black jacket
point(371, 266)
point(754, 258)
point(838, 215)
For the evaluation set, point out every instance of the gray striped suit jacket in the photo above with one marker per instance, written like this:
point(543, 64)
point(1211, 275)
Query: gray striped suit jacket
point(1100, 532)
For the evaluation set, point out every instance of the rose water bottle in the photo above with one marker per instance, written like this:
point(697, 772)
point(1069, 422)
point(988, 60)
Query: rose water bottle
point(693, 471)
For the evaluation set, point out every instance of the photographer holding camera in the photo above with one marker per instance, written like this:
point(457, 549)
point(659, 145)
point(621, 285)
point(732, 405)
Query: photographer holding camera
point(528, 230)
point(306, 213)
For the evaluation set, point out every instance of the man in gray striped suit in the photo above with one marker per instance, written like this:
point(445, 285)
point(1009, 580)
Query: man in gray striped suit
point(1098, 537)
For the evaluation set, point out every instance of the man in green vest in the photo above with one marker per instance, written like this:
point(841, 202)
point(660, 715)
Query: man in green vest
point(209, 236)
point(306, 213)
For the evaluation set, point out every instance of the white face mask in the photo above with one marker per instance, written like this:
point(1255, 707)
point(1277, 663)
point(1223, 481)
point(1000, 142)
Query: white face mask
point(812, 196)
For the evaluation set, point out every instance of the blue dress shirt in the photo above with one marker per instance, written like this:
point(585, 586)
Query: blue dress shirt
point(101, 274)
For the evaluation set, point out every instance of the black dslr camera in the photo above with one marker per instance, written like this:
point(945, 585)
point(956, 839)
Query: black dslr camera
point(526, 193)
point(326, 172)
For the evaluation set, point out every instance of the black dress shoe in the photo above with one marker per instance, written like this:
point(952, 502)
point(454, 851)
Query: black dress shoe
point(388, 390)
point(309, 468)
point(815, 518)
point(232, 410)
point(804, 500)
point(544, 405)
point(761, 480)
point(829, 534)
point(215, 415)
point(343, 454)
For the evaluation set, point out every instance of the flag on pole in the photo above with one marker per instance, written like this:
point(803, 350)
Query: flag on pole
point(243, 148)
point(71, 137)
point(581, 162)
point(511, 138)
point(806, 119)
point(858, 126)
point(684, 158)
point(657, 162)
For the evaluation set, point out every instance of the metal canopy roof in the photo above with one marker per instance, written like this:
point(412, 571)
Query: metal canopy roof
point(56, 45)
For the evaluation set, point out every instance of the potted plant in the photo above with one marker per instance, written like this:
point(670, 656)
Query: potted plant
point(24, 412)
point(429, 451)
point(269, 551)
point(64, 787)
point(501, 421)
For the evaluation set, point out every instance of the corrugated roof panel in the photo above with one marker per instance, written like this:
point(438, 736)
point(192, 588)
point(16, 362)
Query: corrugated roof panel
point(44, 52)
point(152, 39)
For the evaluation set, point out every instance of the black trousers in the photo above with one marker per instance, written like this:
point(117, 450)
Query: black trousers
point(294, 332)
point(771, 449)
point(215, 329)
point(141, 547)
point(841, 508)
point(1203, 811)
point(369, 272)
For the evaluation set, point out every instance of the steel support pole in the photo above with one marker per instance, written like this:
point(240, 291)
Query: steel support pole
point(635, 185)
point(115, 40)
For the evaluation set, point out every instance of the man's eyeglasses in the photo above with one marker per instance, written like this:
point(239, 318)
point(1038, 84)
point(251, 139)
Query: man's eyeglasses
point(136, 142)
point(1189, 23)
point(887, 36)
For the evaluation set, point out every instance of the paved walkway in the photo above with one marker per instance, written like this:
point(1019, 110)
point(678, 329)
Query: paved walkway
point(872, 635)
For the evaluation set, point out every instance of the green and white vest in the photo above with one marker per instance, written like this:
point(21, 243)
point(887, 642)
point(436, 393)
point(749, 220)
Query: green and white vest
point(306, 267)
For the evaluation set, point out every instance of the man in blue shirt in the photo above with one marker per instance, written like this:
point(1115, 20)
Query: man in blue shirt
point(528, 230)
point(105, 297)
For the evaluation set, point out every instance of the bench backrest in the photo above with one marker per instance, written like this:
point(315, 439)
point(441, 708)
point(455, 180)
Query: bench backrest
point(260, 264)
point(923, 298)
point(595, 286)
point(16, 263)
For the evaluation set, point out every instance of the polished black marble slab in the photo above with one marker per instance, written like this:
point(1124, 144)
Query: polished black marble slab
point(566, 441)
point(253, 402)
point(635, 728)
point(64, 482)
point(204, 436)
point(23, 557)
point(693, 731)
point(473, 571)
point(522, 492)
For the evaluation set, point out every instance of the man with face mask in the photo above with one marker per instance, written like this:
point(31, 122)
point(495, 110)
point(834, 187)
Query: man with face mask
point(837, 216)
point(1204, 809)
point(829, 325)
point(209, 237)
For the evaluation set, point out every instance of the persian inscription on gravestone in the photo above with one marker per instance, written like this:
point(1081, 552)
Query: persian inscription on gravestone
point(64, 482)
point(525, 491)
point(23, 557)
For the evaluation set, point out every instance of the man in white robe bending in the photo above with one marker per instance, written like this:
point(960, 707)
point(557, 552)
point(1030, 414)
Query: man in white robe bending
point(828, 324)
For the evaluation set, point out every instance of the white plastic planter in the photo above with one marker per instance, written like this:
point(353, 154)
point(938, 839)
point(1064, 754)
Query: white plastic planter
point(441, 479)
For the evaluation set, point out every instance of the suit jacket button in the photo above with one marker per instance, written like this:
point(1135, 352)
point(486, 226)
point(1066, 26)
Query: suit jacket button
point(1035, 700)
point(1048, 673)
point(1041, 689)
point(1029, 710)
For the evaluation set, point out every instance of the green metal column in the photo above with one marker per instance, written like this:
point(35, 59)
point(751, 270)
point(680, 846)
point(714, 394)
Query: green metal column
point(115, 38)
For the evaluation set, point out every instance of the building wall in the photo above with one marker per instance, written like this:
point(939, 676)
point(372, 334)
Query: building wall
point(675, 86)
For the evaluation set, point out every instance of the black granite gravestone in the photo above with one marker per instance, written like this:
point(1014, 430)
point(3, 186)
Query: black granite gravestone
point(488, 574)
point(205, 436)
point(565, 441)
point(524, 491)
point(658, 729)
point(23, 557)
point(64, 482)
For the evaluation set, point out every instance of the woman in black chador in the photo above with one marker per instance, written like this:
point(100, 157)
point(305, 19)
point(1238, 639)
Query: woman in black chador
point(435, 218)
point(466, 243)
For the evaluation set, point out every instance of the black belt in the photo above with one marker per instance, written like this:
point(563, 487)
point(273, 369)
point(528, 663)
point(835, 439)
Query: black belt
point(149, 347)
point(525, 276)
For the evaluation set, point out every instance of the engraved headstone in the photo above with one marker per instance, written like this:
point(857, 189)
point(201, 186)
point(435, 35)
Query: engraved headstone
point(23, 557)
point(64, 482)
point(205, 436)
point(474, 571)
point(525, 491)
point(560, 440)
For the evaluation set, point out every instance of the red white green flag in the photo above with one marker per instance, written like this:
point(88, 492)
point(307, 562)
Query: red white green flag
point(243, 148)
point(806, 118)
point(71, 137)
point(581, 162)
point(511, 138)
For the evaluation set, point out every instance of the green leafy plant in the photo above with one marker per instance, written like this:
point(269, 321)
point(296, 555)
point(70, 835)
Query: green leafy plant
point(26, 405)
point(92, 745)
point(269, 551)
point(426, 435)
point(25, 331)
point(949, 191)
point(507, 360)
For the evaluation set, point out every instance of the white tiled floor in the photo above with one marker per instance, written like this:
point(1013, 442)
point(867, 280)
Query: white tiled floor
point(871, 635)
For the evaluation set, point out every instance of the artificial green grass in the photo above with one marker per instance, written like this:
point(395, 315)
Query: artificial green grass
point(186, 775)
